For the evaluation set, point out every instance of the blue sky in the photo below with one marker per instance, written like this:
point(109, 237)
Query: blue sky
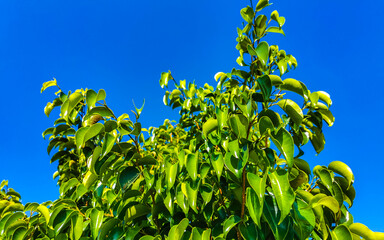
point(123, 46)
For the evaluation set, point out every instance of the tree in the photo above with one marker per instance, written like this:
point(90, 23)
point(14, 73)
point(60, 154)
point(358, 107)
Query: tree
point(230, 168)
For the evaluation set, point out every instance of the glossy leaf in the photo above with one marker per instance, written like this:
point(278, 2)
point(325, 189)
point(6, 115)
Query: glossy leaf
point(328, 202)
point(265, 85)
point(296, 86)
point(247, 14)
point(136, 211)
point(304, 217)
point(284, 142)
point(48, 84)
point(341, 232)
point(217, 163)
point(127, 177)
point(239, 125)
point(254, 205)
point(107, 227)
point(171, 172)
point(292, 109)
point(283, 192)
point(262, 51)
point(362, 230)
point(209, 126)
point(192, 164)
point(178, 230)
point(323, 96)
point(93, 131)
point(261, 4)
point(165, 77)
point(230, 223)
point(342, 169)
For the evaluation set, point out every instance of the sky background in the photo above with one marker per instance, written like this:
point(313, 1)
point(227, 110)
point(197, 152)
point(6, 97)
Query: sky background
point(123, 46)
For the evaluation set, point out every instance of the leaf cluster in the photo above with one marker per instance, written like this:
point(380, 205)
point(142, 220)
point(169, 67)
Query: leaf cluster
point(232, 167)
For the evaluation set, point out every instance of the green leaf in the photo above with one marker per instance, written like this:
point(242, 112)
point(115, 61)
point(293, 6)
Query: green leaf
point(304, 217)
point(248, 14)
point(79, 137)
point(8, 221)
point(89, 179)
point(283, 192)
point(280, 20)
point(274, 116)
point(165, 77)
point(182, 200)
point(260, 25)
point(61, 220)
point(239, 125)
point(341, 232)
point(178, 230)
point(254, 207)
point(265, 123)
point(50, 106)
point(171, 173)
point(258, 184)
point(76, 227)
point(292, 109)
point(233, 163)
point(137, 211)
point(230, 223)
point(209, 126)
point(147, 160)
point(101, 95)
point(262, 4)
point(265, 85)
point(302, 165)
point(192, 191)
point(48, 84)
point(96, 217)
point(295, 86)
point(127, 177)
point(217, 163)
point(90, 98)
point(195, 234)
point(206, 192)
point(325, 177)
point(271, 215)
point(329, 202)
point(109, 141)
point(168, 202)
point(362, 230)
point(262, 51)
point(192, 164)
point(342, 169)
point(107, 227)
point(317, 139)
point(93, 159)
point(327, 116)
point(93, 131)
point(282, 64)
point(323, 96)
point(73, 100)
point(102, 111)
point(249, 231)
point(275, 30)
point(284, 142)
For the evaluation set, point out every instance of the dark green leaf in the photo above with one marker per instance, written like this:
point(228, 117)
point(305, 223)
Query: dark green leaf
point(127, 177)
point(230, 223)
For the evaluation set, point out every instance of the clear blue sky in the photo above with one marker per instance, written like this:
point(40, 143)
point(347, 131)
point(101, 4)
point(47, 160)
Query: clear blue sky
point(123, 46)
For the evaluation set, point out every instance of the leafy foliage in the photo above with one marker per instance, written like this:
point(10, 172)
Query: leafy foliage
point(230, 168)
